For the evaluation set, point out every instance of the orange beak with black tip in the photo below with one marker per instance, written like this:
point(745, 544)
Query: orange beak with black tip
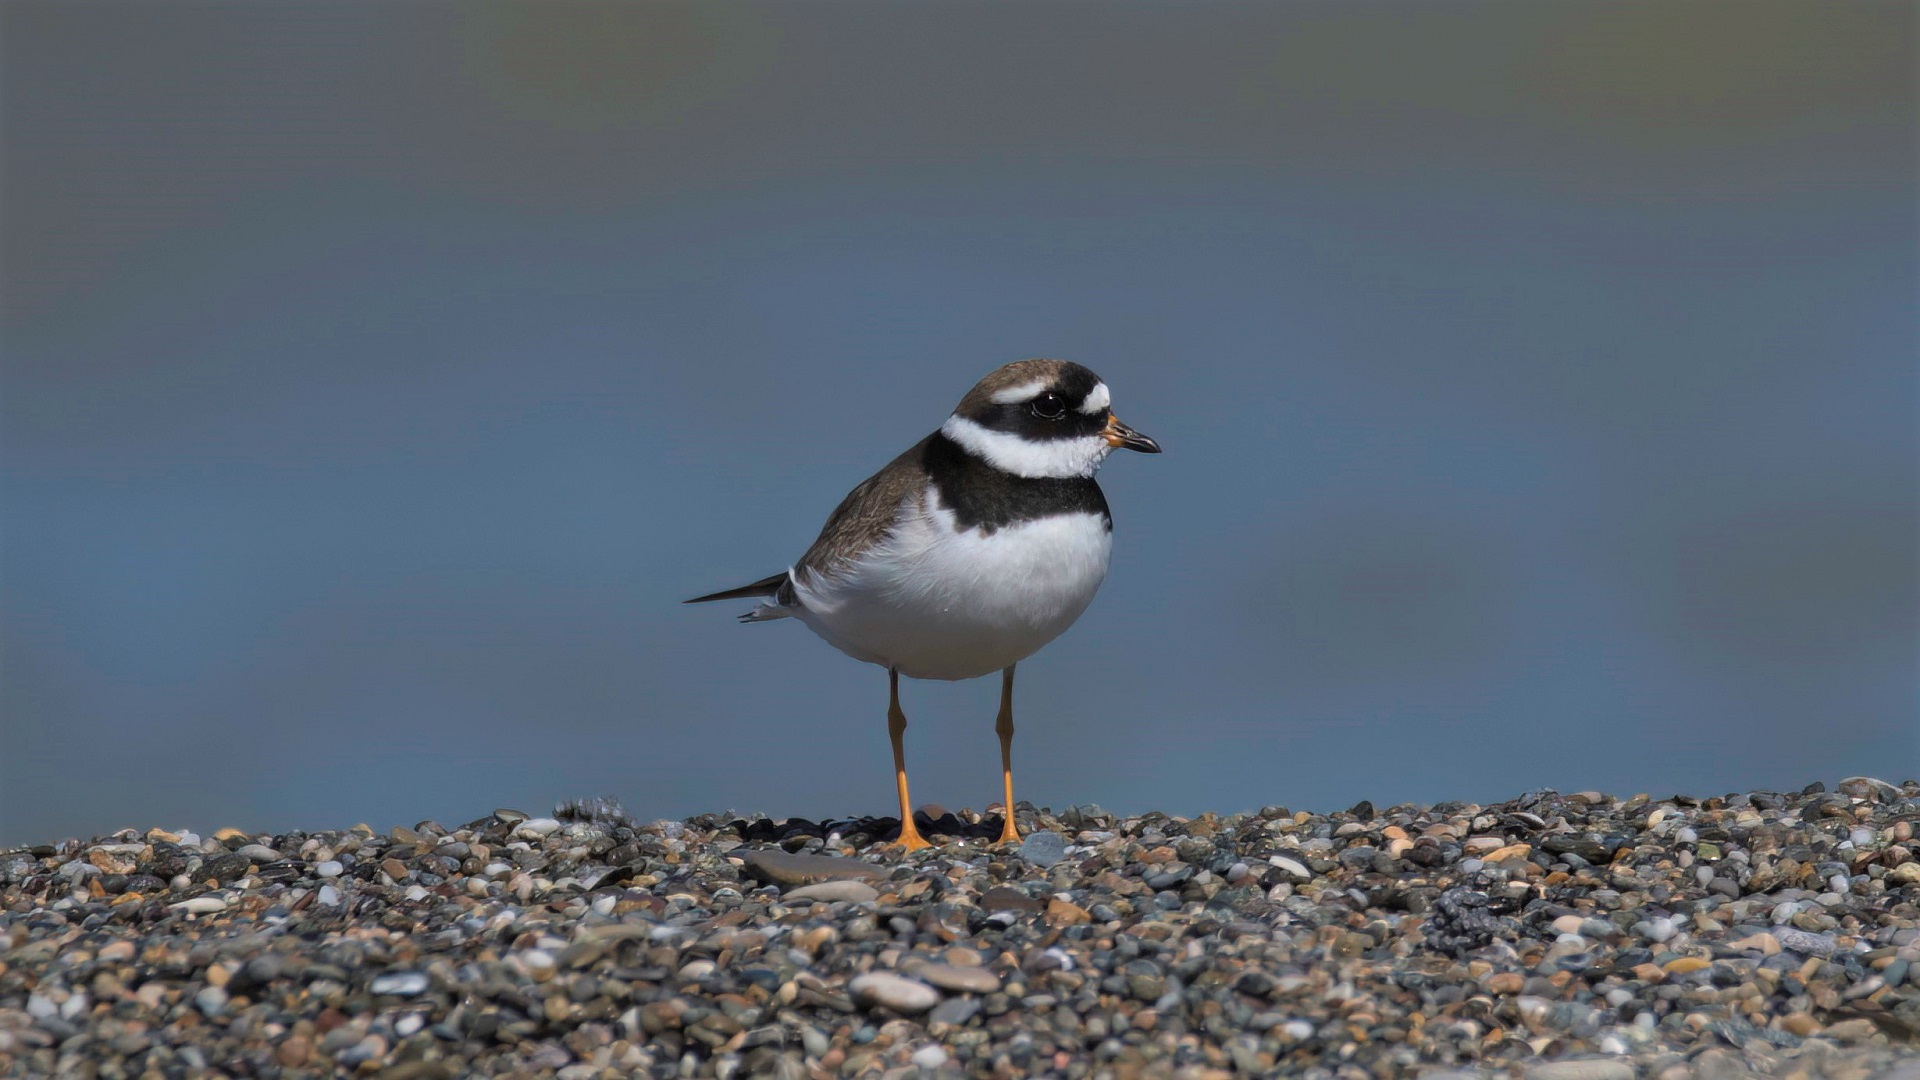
point(1121, 437)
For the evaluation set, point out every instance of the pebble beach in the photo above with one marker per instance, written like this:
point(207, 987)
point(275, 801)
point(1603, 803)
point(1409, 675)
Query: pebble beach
point(1550, 937)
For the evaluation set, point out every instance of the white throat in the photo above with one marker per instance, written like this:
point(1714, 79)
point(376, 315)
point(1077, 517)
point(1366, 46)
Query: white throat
point(1057, 458)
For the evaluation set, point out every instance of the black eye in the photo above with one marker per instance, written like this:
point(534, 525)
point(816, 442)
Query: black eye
point(1049, 406)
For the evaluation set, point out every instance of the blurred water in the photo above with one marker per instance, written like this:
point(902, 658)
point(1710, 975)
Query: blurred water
point(1537, 383)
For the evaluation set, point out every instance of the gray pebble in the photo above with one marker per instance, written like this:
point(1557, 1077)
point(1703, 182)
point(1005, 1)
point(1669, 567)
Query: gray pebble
point(1043, 848)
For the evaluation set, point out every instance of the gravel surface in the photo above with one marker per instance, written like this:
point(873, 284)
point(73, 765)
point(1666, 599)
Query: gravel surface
point(1553, 937)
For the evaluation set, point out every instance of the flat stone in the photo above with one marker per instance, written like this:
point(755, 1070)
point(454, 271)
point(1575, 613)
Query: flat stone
point(971, 980)
point(1582, 1069)
point(833, 892)
point(902, 995)
point(783, 868)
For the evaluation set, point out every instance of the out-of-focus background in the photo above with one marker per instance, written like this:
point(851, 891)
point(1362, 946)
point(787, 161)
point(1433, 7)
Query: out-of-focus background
point(1537, 382)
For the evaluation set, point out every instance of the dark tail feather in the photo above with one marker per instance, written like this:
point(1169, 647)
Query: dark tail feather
point(763, 587)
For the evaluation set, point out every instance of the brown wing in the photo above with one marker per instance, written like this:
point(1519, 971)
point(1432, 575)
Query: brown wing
point(866, 515)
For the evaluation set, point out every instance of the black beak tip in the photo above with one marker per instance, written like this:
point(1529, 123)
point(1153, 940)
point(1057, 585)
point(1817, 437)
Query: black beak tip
point(1143, 444)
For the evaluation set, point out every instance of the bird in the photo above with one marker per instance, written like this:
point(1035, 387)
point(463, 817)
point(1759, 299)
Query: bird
point(967, 553)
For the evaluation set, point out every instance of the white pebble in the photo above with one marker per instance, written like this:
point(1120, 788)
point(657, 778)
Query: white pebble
point(539, 964)
point(201, 905)
point(399, 983)
point(330, 868)
point(535, 828)
point(1291, 867)
point(329, 896)
point(930, 1057)
point(894, 992)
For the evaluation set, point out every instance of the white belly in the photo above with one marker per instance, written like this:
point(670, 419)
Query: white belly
point(941, 604)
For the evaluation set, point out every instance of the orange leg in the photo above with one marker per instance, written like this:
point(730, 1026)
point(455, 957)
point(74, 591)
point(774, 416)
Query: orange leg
point(896, 727)
point(1005, 727)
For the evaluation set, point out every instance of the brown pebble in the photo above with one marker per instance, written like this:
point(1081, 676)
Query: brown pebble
point(1852, 1030)
point(293, 1051)
point(1062, 913)
point(1800, 1024)
point(394, 869)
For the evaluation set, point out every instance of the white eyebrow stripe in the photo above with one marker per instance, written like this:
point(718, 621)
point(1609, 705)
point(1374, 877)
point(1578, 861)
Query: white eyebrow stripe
point(1097, 400)
point(1013, 395)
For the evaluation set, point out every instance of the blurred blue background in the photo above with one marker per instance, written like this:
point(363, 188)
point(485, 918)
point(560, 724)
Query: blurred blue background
point(1537, 381)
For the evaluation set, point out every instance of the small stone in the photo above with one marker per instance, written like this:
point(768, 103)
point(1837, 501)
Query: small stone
point(1804, 943)
point(1063, 913)
point(1800, 1024)
point(1686, 965)
point(972, 980)
point(902, 995)
point(1291, 867)
point(211, 1001)
point(535, 829)
point(1852, 1030)
point(400, 983)
point(955, 1011)
point(201, 905)
point(1044, 848)
point(832, 892)
point(293, 1051)
point(930, 1057)
point(331, 868)
point(1002, 898)
point(371, 1048)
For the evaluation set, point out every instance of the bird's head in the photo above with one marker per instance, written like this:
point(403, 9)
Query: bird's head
point(1042, 418)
